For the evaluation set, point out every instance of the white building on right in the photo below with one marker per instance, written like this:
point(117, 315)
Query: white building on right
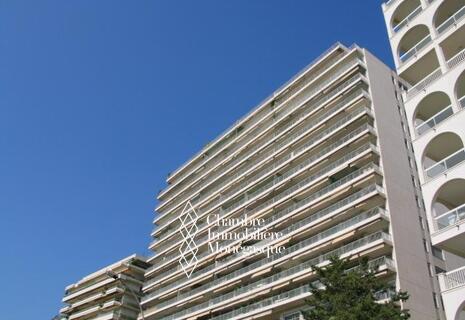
point(428, 43)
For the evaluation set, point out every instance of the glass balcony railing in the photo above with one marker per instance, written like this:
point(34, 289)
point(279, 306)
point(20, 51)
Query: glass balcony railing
point(450, 218)
point(416, 49)
point(349, 201)
point(335, 109)
point(265, 189)
point(456, 60)
point(445, 164)
point(254, 266)
point(462, 102)
point(297, 99)
point(451, 21)
point(289, 272)
point(434, 120)
point(297, 136)
point(408, 19)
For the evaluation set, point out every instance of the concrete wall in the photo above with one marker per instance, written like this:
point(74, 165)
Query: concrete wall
point(410, 256)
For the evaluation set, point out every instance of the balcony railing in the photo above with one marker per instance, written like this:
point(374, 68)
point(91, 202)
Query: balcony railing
point(307, 265)
point(416, 49)
point(408, 19)
point(297, 136)
point(219, 173)
point(456, 60)
point(349, 201)
point(390, 3)
point(325, 234)
point(451, 21)
point(452, 279)
point(450, 218)
point(285, 195)
point(446, 163)
point(297, 98)
point(310, 126)
point(435, 120)
point(462, 102)
point(424, 83)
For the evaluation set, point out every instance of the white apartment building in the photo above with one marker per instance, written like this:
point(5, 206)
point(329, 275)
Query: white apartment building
point(111, 293)
point(428, 44)
point(326, 160)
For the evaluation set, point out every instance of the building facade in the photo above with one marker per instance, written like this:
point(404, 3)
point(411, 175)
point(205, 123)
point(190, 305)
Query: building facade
point(326, 162)
point(428, 44)
point(112, 293)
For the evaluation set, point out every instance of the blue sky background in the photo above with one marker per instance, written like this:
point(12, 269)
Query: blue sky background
point(99, 100)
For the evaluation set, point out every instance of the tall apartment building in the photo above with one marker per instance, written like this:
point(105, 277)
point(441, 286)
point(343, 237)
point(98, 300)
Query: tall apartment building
point(428, 44)
point(326, 161)
point(111, 293)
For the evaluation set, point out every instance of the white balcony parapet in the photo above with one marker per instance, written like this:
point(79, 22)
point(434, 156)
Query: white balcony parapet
point(337, 207)
point(434, 120)
point(452, 279)
point(315, 261)
point(269, 153)
point(451, 21)
point(389, 3)
point(285, 195)
point(279, 198)
point(416, 49)
point(296, 101)
point(424, 83)
point(451, 217)
point(214, 159)
point(456, 60)
point(292, 139)
point(407, 19)
point(294, 227)
point(445, 164)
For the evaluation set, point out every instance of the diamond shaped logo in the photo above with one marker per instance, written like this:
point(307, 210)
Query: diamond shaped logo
point(188, 248)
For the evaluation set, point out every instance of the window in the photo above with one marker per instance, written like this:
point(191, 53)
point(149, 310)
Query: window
point(292, 316)
point(438, 253)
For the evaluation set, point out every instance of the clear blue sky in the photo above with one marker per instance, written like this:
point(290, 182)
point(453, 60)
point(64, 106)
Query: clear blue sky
point(99, 100)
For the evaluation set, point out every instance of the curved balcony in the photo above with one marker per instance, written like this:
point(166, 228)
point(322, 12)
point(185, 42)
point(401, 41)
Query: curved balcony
point(413, 42)
point(448, 14)
point(449, 205)
point(442, 153)
point(405, 13)
point(432, 110)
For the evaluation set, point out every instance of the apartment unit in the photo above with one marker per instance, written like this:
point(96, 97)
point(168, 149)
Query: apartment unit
point(112, 293)
point(428, 44)
point(326, 161)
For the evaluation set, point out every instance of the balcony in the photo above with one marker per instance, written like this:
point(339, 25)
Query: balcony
point(448, 210)
point(311, 88)
point(282, 276)
point(405, 13)
point(432, 110)
point(442, 153)
point(260, 156)
point(449, 14)
point(413, 42)
point(451, 218)
point(287, 195)
point(452, 286)
point(315, 140)
point(353, 201)
point(363, 218)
